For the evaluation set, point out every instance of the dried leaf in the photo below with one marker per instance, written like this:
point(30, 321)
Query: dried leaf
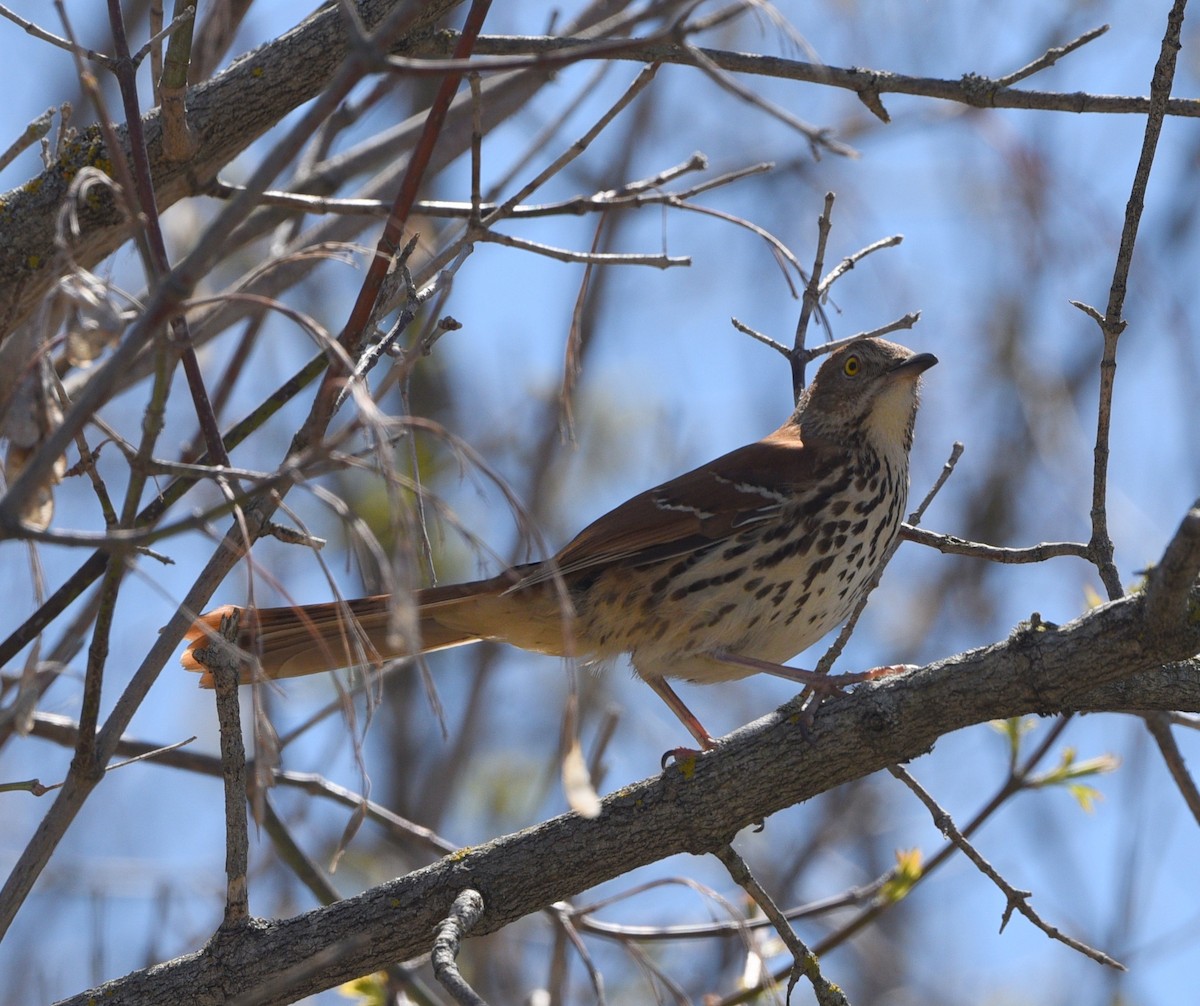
point(32, 414)
point(93, 321)
point(577, 782)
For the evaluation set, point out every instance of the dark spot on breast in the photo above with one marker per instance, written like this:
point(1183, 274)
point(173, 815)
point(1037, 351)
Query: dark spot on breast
point(735, 550)
point(796, 546)
point(719, 614)
point(817, 569)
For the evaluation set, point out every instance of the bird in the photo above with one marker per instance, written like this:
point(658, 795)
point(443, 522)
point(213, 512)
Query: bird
point(725, 571)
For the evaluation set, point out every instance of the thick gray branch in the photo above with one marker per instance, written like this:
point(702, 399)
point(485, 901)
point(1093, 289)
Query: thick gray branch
point(1107, 659)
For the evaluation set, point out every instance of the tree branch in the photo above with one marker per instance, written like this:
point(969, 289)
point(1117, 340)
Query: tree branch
point(264, 85)
point(1088, 664)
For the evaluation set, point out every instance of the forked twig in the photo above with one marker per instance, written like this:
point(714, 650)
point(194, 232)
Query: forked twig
point(1018, 900)
point(804, 960)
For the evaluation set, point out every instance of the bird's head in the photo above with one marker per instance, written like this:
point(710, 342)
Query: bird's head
point(868, 389)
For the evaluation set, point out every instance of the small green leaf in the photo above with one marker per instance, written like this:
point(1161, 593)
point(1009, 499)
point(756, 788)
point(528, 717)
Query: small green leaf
point(369, 990)
point(908, 871)
point(1085, 795)
point(1068, 769)
point(1013, 729)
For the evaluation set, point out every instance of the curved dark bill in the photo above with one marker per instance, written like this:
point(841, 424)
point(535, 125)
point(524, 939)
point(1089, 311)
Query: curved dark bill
point(920, 363)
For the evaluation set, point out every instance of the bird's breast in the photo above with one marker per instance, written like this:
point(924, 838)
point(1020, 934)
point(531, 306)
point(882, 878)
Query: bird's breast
point(767, 591)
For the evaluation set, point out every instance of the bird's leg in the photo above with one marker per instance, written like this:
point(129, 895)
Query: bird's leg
point(685, 715)
point(817, 682)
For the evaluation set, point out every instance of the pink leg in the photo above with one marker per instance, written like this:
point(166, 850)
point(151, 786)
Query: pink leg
point(818, 682)
point(686, 716)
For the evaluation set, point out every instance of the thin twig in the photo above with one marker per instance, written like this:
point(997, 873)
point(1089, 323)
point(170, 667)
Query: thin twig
point(781, 252)
point(850, 261)
point(1018, 900)
point(224, 666)
point(187, 14)
point(640, 83)
point(972, 90)
point(1113, 324)
point(636, 194)
point(1159, 725)
point(906, 321)
point(812, 297)
point(1050, 57)
point(588, 258)
point(464, 913)
point(38, 128)
point(949, 544)
point(818, 138)
point(766, 340)
point(62, 43)
point(804, 961)
point(64, 731)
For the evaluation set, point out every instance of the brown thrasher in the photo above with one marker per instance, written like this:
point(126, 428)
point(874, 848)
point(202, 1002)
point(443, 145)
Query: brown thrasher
point(718, 574)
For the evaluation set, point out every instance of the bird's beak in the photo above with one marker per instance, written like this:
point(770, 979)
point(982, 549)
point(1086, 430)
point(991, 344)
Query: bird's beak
point(915, 364)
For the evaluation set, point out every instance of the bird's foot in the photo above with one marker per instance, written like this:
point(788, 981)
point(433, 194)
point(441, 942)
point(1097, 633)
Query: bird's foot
point(684, 758)
point(877, 673)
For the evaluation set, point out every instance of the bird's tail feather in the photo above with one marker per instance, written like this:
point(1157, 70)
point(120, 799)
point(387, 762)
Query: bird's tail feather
point(294, 641)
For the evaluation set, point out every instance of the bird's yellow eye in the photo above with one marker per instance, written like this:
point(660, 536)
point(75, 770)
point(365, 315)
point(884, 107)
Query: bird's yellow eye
point(852, 366)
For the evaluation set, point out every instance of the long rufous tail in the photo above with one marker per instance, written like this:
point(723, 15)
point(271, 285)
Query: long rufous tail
point(294, 641)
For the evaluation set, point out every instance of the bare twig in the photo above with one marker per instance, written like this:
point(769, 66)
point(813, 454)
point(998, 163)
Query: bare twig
point(782, 253)
point(224, 665)
point(972, 90)
point(465, 912)
point(1018, 900)
point(38, 789)
point(588, 258)
point(182, 16)
point(906, 321)
point(1159, 725)
point(1050, 57)
point(38, 128)
point(818, 138)
point(1113, 324)
point(644, 192)
point(949, 544)
point(812, 296)
point(38, 32)
point(65, 731)
point(804, 960)
point(640, 83)
point(766, 340)
point(850, 261)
